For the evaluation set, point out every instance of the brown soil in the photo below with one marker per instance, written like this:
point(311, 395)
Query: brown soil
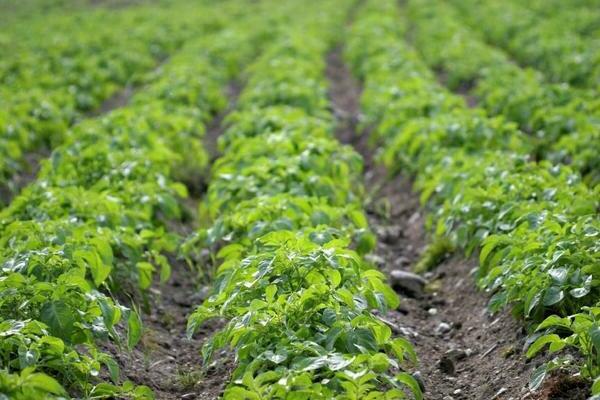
point(465, 353)
point(215, 127)
point(165, 360)
point(565, 387)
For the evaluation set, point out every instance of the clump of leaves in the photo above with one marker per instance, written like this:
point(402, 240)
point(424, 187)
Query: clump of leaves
point(95, 221)
point(287, 210)
point(534, 224)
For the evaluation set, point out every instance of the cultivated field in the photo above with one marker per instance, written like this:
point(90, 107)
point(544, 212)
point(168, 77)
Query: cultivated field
point(300, 200)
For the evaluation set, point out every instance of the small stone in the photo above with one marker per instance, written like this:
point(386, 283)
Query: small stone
point(407, 282)
point(432, 311)
point(469, 352)
point(457, 391)
point(448, 398)
point(407, 332)
point(443, 328)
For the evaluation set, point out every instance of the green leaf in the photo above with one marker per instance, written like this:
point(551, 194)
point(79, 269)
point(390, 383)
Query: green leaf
point(165, 271)
point(579, 292)
point(594, 333)
point(532, 301)
point(239, 393)
point(113, 368)
point(145, 271)
point(92, 260)
point(553, 295)
point(338, 362)
point(309, 363)
point(134, 329)
point(559, 275)
point(402, 347)
point(537, 378)
point(45, 383)
point(379, 362)
point(412, 383)
point(596, 387)
point(554, 320)
point(490, 244)
point(109, 313)
point(541, 342)
point(59, 318)
point(270, 293)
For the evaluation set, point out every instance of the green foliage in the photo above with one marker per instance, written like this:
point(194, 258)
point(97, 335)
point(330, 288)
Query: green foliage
point(285, 202)
point(534, 224)
point(56, 70)
point(96, 221)
point(581, 331)
point(561, 119)
point(551, 45)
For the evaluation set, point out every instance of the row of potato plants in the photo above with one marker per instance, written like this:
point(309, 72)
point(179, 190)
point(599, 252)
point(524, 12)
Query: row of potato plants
point(17, 11)
point(562, 121)
point(95, 223)
point(534, 224)
point(545, 43)
point(55, 70)
point(581, 17)
point(286, 206)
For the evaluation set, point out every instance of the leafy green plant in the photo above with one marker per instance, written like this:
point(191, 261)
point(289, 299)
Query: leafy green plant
point(55, 71)
point(533, 223)
point(548, 111)
point(288, 227)
point(581, 331)
point(96, 221)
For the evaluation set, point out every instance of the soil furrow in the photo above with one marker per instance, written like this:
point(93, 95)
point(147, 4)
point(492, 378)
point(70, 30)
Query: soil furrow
point(465, 352)
point(166, 360)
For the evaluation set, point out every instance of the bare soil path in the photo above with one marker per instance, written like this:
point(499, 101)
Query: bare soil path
point(465, 352)
point(166, 360)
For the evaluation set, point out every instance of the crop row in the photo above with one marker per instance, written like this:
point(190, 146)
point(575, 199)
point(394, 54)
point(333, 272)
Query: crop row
point(94, 222)
point(286, 208)
point(545, 43)
point(581, 17)
point(534, 224)
point(562, 121)
point(49, 81)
